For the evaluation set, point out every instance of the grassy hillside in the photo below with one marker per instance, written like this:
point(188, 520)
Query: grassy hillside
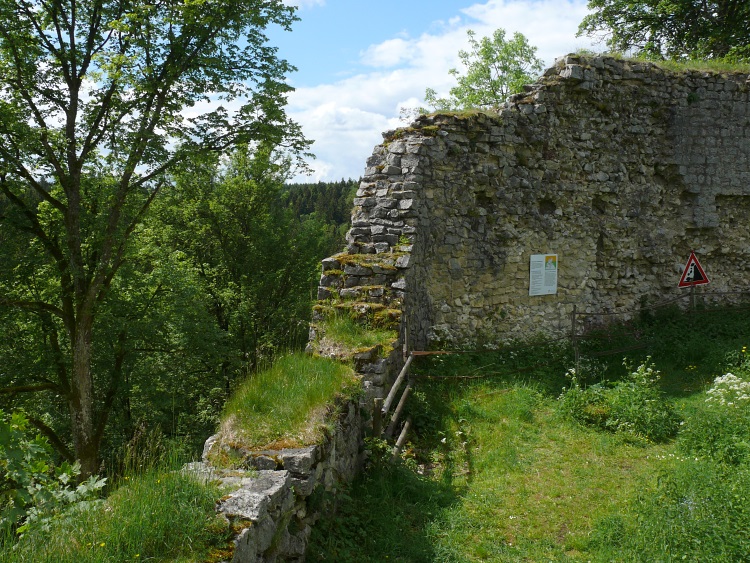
point(513, 462)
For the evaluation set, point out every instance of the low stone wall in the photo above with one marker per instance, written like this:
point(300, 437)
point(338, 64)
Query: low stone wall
point(267, 498)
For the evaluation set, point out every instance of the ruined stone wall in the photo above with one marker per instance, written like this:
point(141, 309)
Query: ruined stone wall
point(621, 168)
point(268, 499)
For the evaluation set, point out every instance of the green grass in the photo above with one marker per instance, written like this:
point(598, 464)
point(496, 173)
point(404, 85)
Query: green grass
point(495, 472)
point(538, 483)
point(715, 65)
point(286, 405)
point(347, 332)
point(159, 515)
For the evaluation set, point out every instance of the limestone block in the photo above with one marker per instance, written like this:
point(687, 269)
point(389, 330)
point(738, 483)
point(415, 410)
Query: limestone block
point(357, 270)
point(365, 201)
point(253, 541)
point(299, 461)
point(329, 281)
point(269, 490)
point(304, 486)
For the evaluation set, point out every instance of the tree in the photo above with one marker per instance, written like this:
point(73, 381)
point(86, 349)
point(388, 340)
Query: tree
point(99, 101)
point(495, 69)
point(258, 262)
point(674, 29)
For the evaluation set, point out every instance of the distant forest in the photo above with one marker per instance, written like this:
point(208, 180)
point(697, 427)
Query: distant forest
point(330, 201)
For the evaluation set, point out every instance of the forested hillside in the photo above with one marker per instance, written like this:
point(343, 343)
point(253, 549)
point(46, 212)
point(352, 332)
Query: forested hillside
point(330, 201)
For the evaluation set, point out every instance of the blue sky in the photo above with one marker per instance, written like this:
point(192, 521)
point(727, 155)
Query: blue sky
point(328, 41)
point(360, 61)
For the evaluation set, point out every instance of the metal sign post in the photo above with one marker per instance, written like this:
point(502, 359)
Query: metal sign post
point(693, 275)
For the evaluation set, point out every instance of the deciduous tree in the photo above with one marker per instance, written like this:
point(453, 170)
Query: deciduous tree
point(258, 262)
point(495, 68)
point(99, 101)
point(674, 29)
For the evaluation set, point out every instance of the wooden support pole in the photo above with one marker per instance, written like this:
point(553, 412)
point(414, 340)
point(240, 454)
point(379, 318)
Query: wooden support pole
point(574, 339)
point(377, 417)
point(398, 411)
point(396, 384)
point(401, 440)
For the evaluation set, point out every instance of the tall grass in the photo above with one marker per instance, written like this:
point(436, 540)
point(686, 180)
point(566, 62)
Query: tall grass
point(344, 330)
point(157, 515)
point(285, 405)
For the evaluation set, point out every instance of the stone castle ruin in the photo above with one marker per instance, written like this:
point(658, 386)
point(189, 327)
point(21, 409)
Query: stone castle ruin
point(619, 168)
point(611, 171)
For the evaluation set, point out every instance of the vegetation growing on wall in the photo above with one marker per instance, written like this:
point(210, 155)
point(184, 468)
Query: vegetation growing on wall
point(288, 404)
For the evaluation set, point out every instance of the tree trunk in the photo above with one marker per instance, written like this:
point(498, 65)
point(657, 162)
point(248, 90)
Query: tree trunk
point(81, 401)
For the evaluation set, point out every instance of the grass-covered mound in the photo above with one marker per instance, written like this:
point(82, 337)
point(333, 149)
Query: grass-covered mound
point(287, 405)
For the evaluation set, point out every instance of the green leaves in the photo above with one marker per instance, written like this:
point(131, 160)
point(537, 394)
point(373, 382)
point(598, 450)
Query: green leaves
point(32, 489)
point(672, 29)
point(101, 101)
point(494, 69)
point(635, 406)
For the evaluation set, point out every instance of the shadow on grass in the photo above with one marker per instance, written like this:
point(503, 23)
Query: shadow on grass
point(384, 516)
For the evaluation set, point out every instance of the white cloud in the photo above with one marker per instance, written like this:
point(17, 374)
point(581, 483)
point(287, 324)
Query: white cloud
point(389, 53)
point(550, 25)
point(346, 118)
point(305, 3)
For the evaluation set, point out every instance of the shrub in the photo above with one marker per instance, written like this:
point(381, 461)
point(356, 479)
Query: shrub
point(720, 430)
point(33, 489)
point(634, 406)
point(587, 405)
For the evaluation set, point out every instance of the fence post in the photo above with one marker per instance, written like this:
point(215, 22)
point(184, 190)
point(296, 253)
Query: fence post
point(574, 338)
point(396, 385)
point(377, 417)
point(397, 412)
point(401, 440)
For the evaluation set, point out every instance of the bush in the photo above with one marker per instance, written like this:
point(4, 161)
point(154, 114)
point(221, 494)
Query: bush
point(720, 430)
point(634, 406)
point(33, 489)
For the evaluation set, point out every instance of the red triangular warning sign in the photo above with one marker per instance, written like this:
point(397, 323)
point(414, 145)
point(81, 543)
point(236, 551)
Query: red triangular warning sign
point(693, 274)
